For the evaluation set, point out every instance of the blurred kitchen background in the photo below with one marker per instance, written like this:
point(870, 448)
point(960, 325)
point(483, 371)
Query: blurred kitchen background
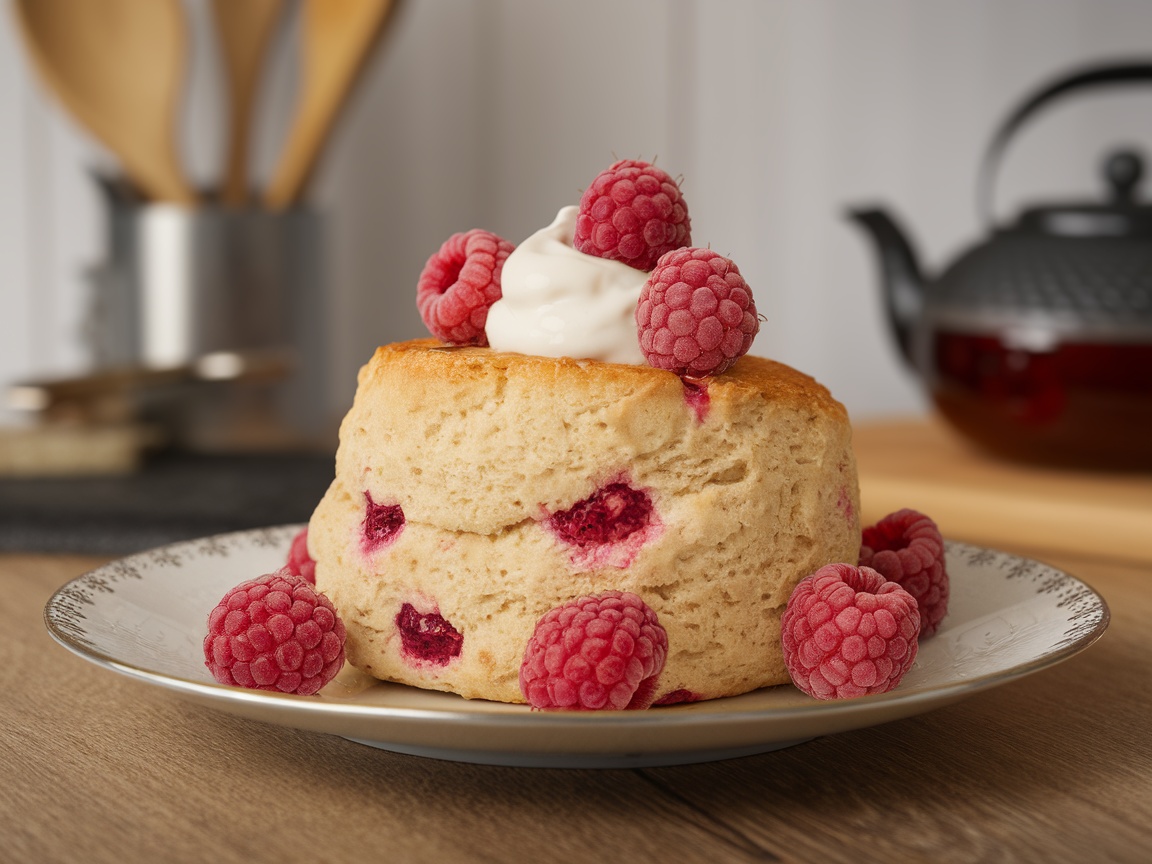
point(778, 115)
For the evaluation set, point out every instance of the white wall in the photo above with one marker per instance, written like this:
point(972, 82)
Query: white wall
point(494, 113)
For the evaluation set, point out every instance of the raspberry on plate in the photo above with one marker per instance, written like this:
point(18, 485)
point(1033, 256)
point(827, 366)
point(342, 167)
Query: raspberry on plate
point(848, 632)
point(299, 561)
point(602, 651)
point(696, 316)
point(633, 212)
point(905, 547)
point(458, 285)
point(275, 633)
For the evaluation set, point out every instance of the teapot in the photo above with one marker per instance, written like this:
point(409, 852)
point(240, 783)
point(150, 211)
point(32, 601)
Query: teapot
point(1036, 342)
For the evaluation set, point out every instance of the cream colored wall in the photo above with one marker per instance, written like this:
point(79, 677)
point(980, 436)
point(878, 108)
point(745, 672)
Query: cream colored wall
point(493, 113)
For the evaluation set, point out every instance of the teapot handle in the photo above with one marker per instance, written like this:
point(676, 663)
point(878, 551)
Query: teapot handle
point(1128, 73)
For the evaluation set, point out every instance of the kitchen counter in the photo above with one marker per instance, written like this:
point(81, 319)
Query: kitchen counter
point(175, 496)
point(1054, 767)
point(923, 464)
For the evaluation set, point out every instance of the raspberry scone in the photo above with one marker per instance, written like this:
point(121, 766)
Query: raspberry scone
point(476, 490)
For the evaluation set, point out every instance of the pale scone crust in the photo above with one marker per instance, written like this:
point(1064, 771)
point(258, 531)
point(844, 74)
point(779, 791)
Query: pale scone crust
point(478, 447)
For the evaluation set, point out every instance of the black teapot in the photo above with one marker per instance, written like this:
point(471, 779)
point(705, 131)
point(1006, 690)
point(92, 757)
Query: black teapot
point(1037, 343)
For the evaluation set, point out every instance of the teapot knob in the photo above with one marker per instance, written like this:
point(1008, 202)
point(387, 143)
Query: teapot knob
point(1123, 170)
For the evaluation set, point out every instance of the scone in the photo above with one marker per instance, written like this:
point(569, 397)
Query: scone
point(476, 490)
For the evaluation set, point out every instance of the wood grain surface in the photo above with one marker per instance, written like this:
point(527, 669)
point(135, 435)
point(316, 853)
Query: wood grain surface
point(96, 767)
point(992, 502)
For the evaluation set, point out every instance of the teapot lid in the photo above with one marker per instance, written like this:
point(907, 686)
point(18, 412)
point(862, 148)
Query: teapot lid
point(1122, 215)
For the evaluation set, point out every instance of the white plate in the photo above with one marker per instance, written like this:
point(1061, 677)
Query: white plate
point(145, 616)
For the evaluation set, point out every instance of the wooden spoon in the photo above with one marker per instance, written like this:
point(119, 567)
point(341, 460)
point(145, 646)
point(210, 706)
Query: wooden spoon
point(118, 67)
point(244, 28)
point(337, 37)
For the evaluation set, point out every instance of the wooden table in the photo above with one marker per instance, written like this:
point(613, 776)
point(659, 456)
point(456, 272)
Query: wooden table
point(1056, 767)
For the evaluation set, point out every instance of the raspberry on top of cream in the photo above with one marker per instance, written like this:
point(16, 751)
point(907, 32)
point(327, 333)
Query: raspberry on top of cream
point(558, 302)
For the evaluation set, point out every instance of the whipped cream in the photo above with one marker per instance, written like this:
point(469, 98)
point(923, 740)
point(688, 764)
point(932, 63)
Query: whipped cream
point(558, 302)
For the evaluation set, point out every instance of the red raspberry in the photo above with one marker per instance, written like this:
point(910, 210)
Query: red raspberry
point(428, 637)
point(275, 633)
point(299, 561)
point(848, 632)
point(602, 651)
point(382, 524)
point(611, 514)
point(905, 547)
point(633, 212)
point(459, 284)
point(696, 315)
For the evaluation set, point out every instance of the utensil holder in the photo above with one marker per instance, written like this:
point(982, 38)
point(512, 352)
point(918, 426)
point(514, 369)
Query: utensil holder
point(232, 297)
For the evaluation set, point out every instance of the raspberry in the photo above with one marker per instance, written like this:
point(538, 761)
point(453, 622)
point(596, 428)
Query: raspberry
point(611, 514)
point(602, 651)
point(905, 547)
point(848, 632)
point(696, 315)
point(459, 284)
point(275, 633)
point(633, 212)
point(427, 637)
point(299, 561)
point(382, 524)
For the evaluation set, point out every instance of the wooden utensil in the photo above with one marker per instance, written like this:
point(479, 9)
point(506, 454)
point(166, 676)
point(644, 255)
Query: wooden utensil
point(244, 28)
point(118, 68)
point(337, 38)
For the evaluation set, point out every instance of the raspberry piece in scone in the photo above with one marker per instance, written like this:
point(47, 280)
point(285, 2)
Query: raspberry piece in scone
point(382, 524)
point(608, 528)
point(427, 637)
point(611, 514)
